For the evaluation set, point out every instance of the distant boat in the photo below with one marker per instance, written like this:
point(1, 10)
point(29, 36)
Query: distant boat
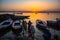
point(21, 17)
point(40, 25)
point(5, 26)
point(16, 27)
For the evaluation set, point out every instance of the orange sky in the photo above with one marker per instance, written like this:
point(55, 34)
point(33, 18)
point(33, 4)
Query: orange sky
point(30, 5)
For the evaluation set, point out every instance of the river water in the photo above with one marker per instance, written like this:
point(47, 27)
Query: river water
point(41, 16)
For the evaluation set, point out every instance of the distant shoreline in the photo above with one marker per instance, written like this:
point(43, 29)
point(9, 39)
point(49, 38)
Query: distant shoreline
point(34, 11)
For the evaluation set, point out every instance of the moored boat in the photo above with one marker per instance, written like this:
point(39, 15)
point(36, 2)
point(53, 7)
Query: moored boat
point(55, 24)
point(5, 26)
point(58, 22)
point(41, 25)
point(17, 27)
point(51, 23)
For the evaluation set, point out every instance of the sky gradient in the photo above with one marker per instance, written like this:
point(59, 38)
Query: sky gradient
point(32, 5)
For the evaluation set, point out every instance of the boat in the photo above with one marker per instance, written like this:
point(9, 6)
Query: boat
point(54, 24)
point(58, 19)
point(41, 25)
point(16, 27)
point(21, 17)
point(58, 22)
point(5, 26)
point(51, 23)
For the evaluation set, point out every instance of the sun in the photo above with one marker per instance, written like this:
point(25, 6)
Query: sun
point(33, 6)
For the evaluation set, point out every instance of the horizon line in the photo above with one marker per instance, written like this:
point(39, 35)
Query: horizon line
point(54, 11)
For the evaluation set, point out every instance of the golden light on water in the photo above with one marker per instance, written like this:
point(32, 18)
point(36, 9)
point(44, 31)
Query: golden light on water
point(42, 16)
point(34, 17)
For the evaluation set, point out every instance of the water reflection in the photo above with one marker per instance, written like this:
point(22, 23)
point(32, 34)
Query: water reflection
point(42, 16)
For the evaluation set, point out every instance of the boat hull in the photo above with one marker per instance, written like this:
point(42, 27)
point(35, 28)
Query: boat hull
point(41, 28)
point(5, 28)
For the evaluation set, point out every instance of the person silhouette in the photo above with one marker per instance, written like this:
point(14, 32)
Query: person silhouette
point(31, 30)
